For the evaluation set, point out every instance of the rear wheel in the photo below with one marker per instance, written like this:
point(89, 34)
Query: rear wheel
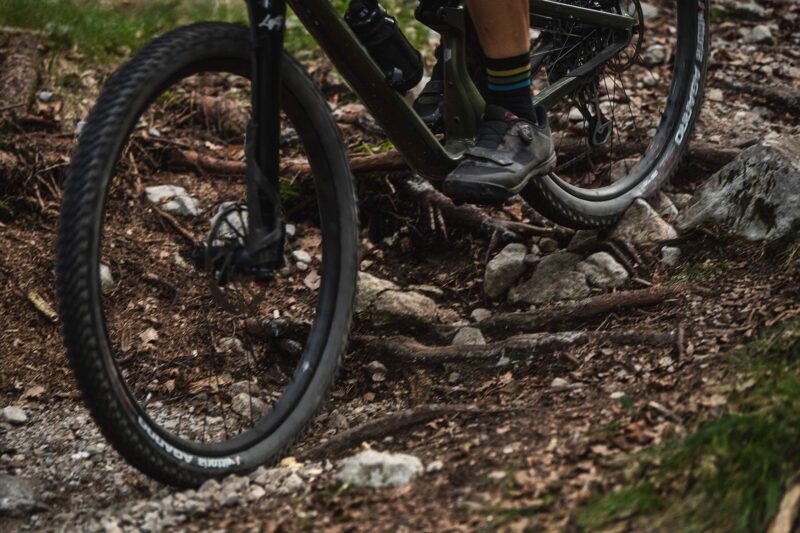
point(191, 370)
point(622, 135)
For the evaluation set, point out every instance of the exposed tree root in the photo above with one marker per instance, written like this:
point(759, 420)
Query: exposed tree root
point(390, 425)
point(407, 350)
point(571, 312)
point(19, 73)
point(470, 217)
point(777, 96)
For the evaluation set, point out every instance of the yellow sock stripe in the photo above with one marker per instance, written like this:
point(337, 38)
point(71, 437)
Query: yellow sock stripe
point(505, 73)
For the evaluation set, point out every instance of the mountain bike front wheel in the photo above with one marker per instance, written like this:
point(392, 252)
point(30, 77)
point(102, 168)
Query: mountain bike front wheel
point(623, 134)
point(191, 369)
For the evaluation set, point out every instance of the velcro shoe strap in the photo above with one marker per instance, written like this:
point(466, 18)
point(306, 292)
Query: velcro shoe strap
point(493, 156)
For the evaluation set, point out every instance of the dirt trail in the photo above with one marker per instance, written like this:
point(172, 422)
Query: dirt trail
point(537, 437)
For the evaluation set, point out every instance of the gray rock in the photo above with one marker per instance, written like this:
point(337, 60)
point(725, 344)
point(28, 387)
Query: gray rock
point(480, 314)
point(173, 199)
point(369, 288)
point(582, 239)
point(548, 245)
point(755, 196)
point(392, 306)
point(504, 270)
point(18, 497)
point(312, 280)
point(649, 12)
point(106, 279)
point(291, 484)
point(248, 406)
point(555, 278)
point(378, 469)
point(656, 54)
point(234, 225)
point(664, 206)
point(670, 255)
point(760, 34)
point(469, 337)
point(642, 225)
point(14, 415)
point(603, 271)
point(45, 96)
point(302, 256)
point(681, 200)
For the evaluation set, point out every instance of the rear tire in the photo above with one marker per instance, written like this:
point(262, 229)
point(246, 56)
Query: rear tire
point(583, 208)
point(208, 47)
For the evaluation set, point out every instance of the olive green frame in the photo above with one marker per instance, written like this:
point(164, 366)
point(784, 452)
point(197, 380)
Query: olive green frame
point(420, 148)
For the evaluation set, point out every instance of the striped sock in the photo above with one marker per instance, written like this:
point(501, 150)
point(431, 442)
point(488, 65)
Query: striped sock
point(509, 85)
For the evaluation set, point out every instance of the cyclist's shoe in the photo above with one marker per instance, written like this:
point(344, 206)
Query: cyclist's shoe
point(508, 152)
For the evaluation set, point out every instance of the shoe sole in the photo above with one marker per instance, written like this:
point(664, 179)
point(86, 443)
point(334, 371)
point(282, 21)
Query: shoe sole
point(489, 193)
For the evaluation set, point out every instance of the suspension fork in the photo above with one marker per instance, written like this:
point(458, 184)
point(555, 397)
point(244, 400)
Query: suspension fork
point(266, 222)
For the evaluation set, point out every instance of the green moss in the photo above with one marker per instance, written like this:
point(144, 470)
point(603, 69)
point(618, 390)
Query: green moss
point(696, 272)
point(730, 473)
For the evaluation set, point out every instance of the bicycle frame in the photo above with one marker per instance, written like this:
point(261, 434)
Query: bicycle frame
point(421, 149)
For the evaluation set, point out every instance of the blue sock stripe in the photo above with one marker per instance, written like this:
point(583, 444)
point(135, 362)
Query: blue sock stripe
point(521, 85)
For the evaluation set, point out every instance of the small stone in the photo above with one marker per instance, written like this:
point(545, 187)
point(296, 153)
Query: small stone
point(760, 34)
point(179, 261)
point(14, 415)
point(603, 271)
point(532, 260)
point(153, 132)
point(559, 383)
point(301, 256)
point(195, 506)
point(291, 230)
point(554, 279)
point(715, 95)
point(642, 225)
point(670, 255)
point(369, 288)
point(378, 469)
point(80, 456)
point(312, 280)
point(649, 11)
point(79, 127)
point(256, 493)
point(504, 270)
point(583, 238)
point(453, 378)
point(173, 199)
point(745, 10)
point(548, 245)
point(480, 314)
point(434, 466)
point(469, 337)
point(664, 206)
point(656, 54)
point(210, 486)
point(681, 200)
point(618, 395)
point(45, 96)
point(248, 407)
point(376, 367)
point(106, 279)
point(230, 345)
point(302, 267)
point(291, 484)
point(18, 497)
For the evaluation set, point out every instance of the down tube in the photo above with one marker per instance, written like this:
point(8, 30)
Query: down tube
point(421, 150)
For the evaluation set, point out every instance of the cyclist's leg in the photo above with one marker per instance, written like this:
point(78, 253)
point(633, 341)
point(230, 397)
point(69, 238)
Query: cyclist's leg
point(514, 143)
point(502, 27)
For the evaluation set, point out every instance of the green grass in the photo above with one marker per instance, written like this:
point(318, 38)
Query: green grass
point(730, 473)
point(696, 272)
point(111, 28)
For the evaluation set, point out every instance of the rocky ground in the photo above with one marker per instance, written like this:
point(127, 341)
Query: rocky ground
point(491, 382)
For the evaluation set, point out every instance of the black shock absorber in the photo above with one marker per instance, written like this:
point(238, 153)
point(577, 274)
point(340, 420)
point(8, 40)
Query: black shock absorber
point(382, 37)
